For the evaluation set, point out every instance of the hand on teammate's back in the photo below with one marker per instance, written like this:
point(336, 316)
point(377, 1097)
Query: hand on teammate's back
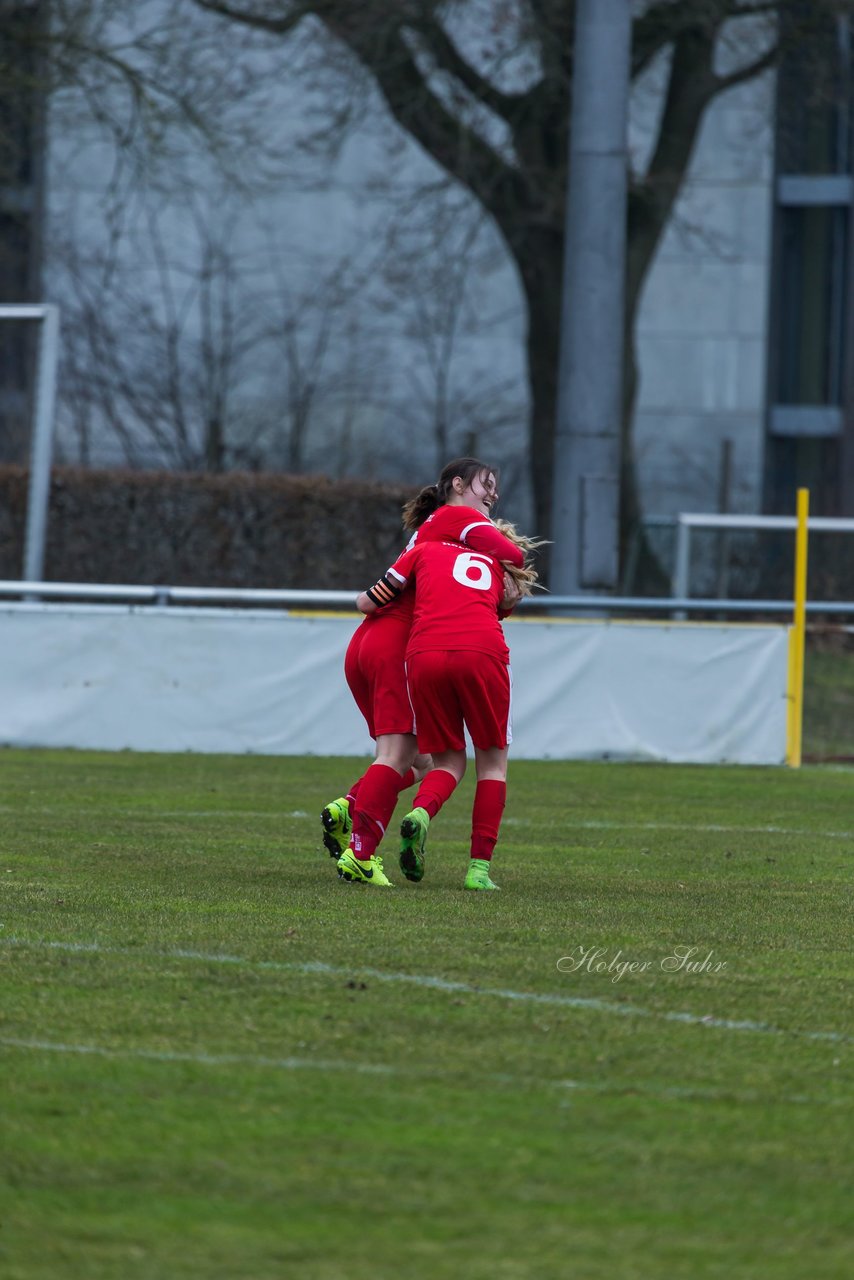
point(512, 593)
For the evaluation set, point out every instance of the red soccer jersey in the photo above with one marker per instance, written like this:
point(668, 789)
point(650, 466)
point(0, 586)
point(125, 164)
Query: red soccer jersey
point(457, 595)
point(456, 523)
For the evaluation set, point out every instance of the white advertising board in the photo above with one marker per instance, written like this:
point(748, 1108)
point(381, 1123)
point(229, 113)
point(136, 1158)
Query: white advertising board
point(115, 677)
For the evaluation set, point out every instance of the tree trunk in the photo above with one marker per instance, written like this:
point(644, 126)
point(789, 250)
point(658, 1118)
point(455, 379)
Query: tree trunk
point(214, 445)
point(650, 576)
point(541, 267)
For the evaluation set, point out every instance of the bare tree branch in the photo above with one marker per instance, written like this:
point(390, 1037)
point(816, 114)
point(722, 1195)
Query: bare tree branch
point(664, 22)
point(280, 25)
point(447, 57)
point(750, 70)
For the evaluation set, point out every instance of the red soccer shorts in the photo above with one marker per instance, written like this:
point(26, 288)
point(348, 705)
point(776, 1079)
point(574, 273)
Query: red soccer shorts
point(459, 688)
point(374, 669)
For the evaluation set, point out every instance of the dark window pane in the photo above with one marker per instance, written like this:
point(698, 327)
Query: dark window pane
point(811, 319)
point(814, 109)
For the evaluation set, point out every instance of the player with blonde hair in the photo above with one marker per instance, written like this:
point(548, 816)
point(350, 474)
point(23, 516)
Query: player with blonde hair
point(457, 508)
point(458, 674)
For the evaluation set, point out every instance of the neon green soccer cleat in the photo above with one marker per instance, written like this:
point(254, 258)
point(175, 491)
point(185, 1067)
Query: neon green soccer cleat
point(337, 825)
point(356, 871)
point(477, 876)
point(413, 840)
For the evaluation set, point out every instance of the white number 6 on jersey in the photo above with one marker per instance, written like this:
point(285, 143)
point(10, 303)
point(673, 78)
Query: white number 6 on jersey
point(473, 570)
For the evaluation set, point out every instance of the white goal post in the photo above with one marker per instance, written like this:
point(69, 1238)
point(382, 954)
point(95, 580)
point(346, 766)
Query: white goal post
point(688, 520)
point(41, 436)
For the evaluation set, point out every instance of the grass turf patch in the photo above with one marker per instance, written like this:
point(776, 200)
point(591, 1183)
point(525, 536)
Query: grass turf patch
point(221, 1061)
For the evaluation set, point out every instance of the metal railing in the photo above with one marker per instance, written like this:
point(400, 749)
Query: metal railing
point(300, 598)
point(163, 596)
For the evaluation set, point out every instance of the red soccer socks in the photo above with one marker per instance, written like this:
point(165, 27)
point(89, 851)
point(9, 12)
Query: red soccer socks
point(489, 800)
point(436, 787)
point(378, 792)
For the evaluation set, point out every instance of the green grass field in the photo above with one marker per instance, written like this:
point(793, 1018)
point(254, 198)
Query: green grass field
point(829, 703)
point(218, 1061)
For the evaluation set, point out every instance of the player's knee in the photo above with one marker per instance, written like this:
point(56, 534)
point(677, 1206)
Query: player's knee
point(453, 762)
point(421, 765)
point(397, 751)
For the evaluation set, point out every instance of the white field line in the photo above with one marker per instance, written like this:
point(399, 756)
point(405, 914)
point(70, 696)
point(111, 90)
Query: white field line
point(581, 824)
point(205, 1059)
point(322, 969)
point(714, 827)
point(679, 1093)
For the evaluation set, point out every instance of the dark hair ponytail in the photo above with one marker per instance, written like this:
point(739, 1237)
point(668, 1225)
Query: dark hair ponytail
point(416, 511)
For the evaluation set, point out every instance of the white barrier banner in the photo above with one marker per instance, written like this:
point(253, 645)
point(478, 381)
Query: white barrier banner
point(236, 681)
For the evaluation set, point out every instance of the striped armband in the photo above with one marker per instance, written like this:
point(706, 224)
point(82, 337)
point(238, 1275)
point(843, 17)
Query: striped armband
point(384, 591)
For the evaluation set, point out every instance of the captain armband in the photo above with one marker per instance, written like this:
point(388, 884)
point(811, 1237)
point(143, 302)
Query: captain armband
point(384, 591)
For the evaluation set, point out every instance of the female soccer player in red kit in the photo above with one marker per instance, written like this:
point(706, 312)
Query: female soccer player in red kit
point(456, 508)
point(459, 677)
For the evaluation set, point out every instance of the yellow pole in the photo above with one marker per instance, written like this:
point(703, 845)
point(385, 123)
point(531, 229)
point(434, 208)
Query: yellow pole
point(798, 635)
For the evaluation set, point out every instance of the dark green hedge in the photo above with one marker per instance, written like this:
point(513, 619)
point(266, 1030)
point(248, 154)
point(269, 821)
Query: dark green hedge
point(235, 530)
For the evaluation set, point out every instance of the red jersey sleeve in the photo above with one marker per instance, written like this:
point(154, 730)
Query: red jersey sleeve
point(401, 570)
point(484, 536)
point(470, 527)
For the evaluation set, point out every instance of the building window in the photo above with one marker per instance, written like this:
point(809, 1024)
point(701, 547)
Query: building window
point(814, 102)
point(809, 365)
point(812, 262)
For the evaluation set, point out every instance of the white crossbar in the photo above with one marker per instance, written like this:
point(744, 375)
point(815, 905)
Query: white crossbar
point(688, 520)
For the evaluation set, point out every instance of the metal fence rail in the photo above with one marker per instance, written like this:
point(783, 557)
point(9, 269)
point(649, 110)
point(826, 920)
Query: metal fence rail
point(286, 599)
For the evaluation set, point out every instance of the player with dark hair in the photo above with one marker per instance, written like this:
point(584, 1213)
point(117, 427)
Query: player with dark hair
point(459, 678)
point(457, 508)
